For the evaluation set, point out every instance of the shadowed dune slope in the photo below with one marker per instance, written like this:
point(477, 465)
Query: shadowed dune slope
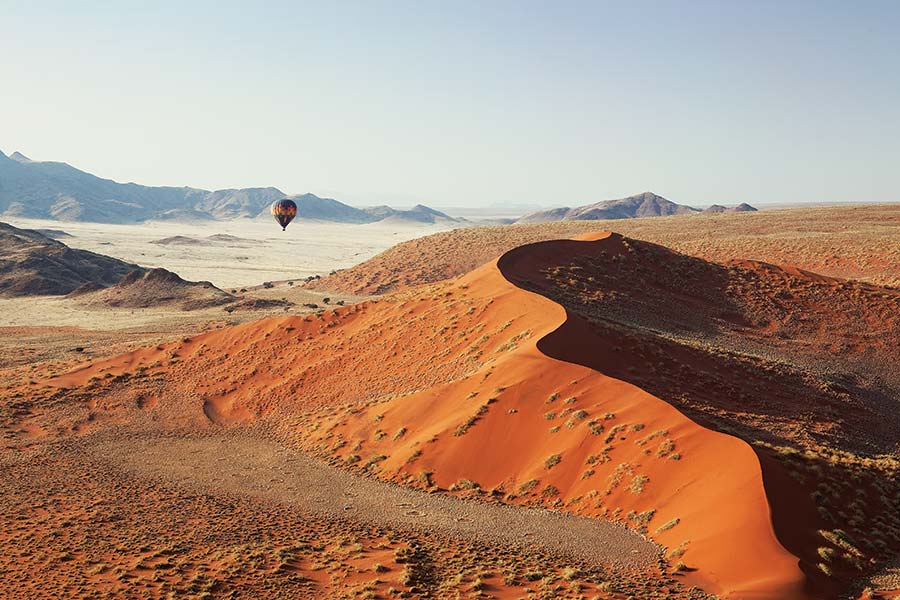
point(465, 386)
point(531, 428)
point(800, 365)
point(819, 351)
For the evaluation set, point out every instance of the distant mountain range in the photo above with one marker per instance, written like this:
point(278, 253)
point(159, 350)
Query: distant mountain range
point(647, 204)
point(56, 190)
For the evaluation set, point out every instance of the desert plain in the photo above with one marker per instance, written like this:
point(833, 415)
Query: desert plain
point(237, 252)
point(693, 406)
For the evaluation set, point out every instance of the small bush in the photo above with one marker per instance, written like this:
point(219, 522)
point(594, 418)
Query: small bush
point(638, 483)
point(665, 447)
point(374, 461)
point(465, 426)
point(668, 525)
point(550, 491)
point(841, 539)
point(528, 486)
point(464, 484)
point(826, 553)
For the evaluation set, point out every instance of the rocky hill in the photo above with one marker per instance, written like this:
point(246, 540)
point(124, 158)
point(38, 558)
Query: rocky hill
point(33, 264)
point(718, 208)
point(647, 204)
point(417, 214)
point(156, 288)
point(314, 208)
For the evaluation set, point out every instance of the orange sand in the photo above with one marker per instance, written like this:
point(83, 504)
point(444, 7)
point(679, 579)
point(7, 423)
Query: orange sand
point(417, 367)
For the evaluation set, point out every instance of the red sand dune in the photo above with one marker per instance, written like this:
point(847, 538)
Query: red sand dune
point(478, 384)
point(714, 490)
point(459, 382)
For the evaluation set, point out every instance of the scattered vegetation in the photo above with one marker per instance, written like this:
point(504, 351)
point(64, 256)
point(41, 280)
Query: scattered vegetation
point(638, 483)
point(528, 486)
point(668, 525)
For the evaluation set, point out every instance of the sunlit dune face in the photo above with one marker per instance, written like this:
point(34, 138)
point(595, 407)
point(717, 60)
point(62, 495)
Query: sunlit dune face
point(611, 378)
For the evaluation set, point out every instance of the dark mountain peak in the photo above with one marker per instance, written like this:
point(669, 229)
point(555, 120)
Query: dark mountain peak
point(19, 157)
point(159, 287)
point(719, 209)
point(418, 213)
point(160, 275)
point(32, 264)
point(651, 198)
point(314, 208)
point(645, 204)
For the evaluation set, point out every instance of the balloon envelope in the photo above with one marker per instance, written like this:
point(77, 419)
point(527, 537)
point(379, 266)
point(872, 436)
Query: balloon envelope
point(284, 212)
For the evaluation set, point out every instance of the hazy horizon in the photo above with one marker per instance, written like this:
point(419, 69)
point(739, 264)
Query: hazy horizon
point(465, 104)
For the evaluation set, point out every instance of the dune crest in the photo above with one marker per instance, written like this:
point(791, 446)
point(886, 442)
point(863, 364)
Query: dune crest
point(532, 428)
point(486, 386)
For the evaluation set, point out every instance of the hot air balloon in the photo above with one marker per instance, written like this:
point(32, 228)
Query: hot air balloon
point(284, 212)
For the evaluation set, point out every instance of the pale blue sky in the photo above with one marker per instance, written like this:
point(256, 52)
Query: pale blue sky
point(464, 103)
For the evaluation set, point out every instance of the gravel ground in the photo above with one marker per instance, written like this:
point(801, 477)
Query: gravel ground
point(259, 468)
